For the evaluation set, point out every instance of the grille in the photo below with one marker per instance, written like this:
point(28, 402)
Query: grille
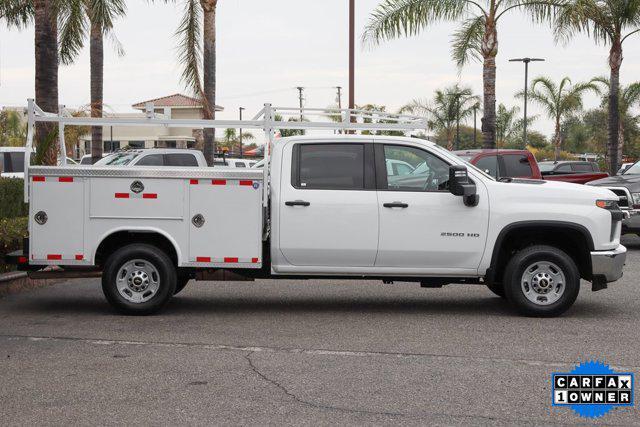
point(624, 198)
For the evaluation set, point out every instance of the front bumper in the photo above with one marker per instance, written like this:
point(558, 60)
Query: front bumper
point(607, 265)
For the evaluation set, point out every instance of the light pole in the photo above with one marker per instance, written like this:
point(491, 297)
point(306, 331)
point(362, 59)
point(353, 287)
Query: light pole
point(240, 136)
point(475, 127)
point(352, 32)
point(526, 84)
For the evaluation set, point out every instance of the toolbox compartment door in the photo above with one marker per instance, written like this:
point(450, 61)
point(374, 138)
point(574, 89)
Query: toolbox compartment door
point(59, 240)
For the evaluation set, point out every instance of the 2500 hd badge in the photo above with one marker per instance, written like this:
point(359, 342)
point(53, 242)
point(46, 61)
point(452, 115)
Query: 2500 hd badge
point(449, 234)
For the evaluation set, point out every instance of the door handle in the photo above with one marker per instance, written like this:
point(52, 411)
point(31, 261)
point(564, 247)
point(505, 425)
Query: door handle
point(297, 203)
point(395, 205)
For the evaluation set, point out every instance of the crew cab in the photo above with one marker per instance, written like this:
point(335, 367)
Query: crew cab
point(508, 163)
point(322, 207)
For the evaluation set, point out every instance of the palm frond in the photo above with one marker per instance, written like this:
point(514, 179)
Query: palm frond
point(17, 13)
point(466, 42)
point(396, 18)
point(189, 34)
point(73, 26)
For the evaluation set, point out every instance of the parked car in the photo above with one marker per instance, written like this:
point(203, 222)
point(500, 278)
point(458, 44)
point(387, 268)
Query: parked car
point(154, 157)
point(566, 167)
point(510, 163)
point(12, 162)
point(627, 187)
point(624, 168)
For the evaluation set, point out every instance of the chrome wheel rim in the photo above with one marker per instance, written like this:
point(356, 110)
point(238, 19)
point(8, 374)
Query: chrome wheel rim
point(138, 281)
point(543, 283)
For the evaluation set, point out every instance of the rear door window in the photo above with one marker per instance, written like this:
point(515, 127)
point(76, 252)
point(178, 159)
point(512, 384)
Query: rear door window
point(180, 159)
point(151, 160)
point(582, 167)
point(13, 162)
point(564, 168)
point(329, 166)
point(516, 165)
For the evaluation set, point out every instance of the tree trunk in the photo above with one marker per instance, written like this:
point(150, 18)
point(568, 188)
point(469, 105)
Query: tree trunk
point(96, 53)
point(621, 140)
point(46, 58)
point(615, 60)
point(557, 141)
point(209, 72)
point(489, 51)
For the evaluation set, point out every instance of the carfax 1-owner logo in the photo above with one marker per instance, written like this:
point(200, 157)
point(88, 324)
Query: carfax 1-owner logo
point(592, 389)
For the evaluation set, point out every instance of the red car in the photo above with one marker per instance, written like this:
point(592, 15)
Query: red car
point(509, 163)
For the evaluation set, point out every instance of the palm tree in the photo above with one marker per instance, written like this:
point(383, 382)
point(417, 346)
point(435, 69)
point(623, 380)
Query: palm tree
point(629, 96)
point(610, 22)
point(19, 13)
point(98, 17)
point(476, 38)
point(509, 125)
point(197, 54)
point(558, 101)
point(449, 107)
point(13, 130)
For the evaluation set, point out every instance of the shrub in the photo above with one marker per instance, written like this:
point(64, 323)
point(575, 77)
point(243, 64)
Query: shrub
point(11, 198)
point(12, 230)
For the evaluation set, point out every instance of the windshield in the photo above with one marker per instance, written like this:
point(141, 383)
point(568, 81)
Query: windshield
point(633, 170)
point(118, 159)
point(546, 167)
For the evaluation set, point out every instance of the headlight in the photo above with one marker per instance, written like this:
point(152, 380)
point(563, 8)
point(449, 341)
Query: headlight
point(636, 199)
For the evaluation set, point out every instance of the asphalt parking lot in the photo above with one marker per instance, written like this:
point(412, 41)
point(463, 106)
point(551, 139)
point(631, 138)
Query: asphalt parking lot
point(308, 352)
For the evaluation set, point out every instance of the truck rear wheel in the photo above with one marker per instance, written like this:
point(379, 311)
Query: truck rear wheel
point(139, 279)
point(541, 281)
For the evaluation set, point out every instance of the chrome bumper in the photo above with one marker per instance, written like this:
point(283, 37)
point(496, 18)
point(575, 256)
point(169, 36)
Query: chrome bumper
point(608, 264)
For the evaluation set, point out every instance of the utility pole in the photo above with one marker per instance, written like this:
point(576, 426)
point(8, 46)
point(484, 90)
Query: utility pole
point(240, 136)
point(300, 98)
point(526, 84)
point(352, 31)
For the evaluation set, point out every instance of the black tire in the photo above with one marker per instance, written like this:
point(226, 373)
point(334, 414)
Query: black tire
point(513, 281)
point(183, 279)
point(151, 257)
point(497, 289)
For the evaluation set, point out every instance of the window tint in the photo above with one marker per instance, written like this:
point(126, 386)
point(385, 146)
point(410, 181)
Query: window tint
point(85, 161)
point(564, 168)
point(429, 173)
point(180, 159)
point(582, 167)
point(13, 162)
point(331, 166)
point(240, 165)
point(151, 160)
point(516, 165)
point(488, 164)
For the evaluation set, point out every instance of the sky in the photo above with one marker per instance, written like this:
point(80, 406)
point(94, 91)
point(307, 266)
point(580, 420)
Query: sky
point(267, 48)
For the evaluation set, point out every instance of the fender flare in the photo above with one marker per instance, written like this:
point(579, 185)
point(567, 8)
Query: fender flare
point(112, 231)
point(534, 223)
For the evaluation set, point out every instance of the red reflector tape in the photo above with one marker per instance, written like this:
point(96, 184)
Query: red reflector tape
point(203, 259)
point(38, 179)
point(65, 179)
point(219, 181)
point(254, 260)
point(54, 256)
point(22, 260)
point(230, 259)
point(149, 196)
point(79, 257)
point(122, 195)
point(246, 182)
point(193, 181)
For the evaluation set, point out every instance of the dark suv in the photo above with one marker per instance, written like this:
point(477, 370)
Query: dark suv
point(627, 188)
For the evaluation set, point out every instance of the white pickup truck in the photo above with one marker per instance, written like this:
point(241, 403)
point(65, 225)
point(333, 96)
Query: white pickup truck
point(329, 207)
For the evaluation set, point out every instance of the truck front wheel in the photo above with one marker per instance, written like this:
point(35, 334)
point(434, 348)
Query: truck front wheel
point(139, 279)
point(541, 281)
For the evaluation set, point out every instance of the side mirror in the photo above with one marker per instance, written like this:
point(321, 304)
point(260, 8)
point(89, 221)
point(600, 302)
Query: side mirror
point(461, 185)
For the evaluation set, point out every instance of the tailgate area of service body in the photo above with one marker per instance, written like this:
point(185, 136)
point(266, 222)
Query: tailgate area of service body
point(212, 217)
